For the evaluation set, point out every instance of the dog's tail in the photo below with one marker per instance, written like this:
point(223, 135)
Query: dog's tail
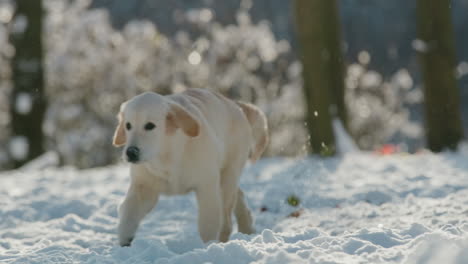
point(259, 125)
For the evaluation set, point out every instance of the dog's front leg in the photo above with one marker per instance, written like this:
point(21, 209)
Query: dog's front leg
point(209, 211)
point(139, 201)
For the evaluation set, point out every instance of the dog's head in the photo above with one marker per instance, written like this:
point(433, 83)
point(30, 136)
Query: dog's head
point(146, 121)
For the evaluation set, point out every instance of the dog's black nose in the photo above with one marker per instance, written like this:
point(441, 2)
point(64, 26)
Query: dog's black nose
point(133, 154)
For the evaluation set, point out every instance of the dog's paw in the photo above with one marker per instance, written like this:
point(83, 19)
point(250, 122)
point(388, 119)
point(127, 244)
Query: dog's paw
point(248, 230)
point(126, 242)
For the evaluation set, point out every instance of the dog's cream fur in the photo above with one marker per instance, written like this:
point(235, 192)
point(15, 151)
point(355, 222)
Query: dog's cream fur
point(201, 143)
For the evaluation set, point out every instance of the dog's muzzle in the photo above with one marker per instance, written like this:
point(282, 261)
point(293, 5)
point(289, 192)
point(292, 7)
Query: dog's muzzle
point(133, 154)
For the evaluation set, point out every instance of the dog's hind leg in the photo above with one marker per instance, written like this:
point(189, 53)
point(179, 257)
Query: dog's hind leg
point(243, 214)
point(229, 186)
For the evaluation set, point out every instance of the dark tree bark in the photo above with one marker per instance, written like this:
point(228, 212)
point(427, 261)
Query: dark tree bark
point(318, 30)
point(437, 56)
point(28, 102)
point(333, 38)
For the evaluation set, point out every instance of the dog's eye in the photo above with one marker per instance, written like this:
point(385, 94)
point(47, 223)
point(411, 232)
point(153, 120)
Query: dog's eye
point(149, 126)
point(128, 126)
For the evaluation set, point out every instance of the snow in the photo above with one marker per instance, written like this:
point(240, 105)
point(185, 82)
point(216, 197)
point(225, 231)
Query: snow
point(344, 142)
point(371, 79)
point(364, 57)
point(194, 58)
point(20, 23)
point(359, 208)
point(462, 69)
point(46, 160)
point(18, 147)
point(420, 45)
point(23, 103)
point(403, 79)
point(6, 12)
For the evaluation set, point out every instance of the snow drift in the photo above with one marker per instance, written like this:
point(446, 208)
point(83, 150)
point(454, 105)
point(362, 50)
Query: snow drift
point(360, 208)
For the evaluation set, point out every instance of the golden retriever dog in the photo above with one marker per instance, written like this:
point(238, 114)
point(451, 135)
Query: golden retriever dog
point(192, 141)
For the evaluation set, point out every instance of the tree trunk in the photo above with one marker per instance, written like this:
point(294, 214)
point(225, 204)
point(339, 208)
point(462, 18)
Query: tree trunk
point(333, 35)
point(437, 55)
point(28, 102)
point(318, 31)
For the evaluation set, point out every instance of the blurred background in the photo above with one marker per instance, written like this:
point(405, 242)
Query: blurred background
point(390, 73)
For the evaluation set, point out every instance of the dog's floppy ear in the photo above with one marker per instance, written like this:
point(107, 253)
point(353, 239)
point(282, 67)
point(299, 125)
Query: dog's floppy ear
point(177, 117)
point(119, 135)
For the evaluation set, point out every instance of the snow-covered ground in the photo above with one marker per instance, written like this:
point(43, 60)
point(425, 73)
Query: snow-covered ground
point(359, 208)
